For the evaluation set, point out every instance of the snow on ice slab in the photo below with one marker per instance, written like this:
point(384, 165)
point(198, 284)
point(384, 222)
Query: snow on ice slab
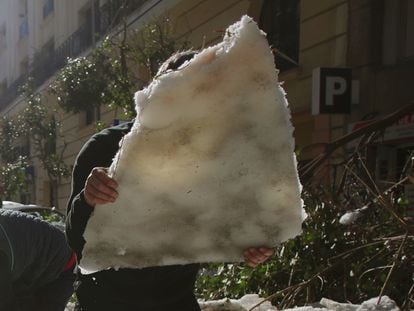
point(208, 168)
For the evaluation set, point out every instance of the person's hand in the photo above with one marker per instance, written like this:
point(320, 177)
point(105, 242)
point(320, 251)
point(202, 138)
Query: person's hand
point(254, 256)
point(100, 188)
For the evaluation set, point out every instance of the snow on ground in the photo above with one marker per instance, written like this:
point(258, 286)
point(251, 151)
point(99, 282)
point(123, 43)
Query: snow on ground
point(242, 304)
point(249, 301)
point(385, 304)
point(208, 168)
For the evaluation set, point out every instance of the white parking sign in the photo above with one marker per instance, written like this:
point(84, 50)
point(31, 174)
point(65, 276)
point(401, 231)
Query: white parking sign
point(331, 90)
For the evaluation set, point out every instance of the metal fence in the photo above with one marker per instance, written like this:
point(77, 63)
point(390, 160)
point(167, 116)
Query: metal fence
point(106, 18)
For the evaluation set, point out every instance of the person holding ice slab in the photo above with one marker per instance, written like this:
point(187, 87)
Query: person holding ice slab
point(205, 173)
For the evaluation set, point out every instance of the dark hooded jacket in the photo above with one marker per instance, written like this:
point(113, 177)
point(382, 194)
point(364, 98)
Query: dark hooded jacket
point(33, 253)
point(152, 289)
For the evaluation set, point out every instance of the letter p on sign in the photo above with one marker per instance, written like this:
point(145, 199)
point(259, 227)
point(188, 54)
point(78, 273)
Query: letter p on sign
point(331, 90)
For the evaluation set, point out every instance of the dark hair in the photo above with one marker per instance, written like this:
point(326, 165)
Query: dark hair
point(175, 61)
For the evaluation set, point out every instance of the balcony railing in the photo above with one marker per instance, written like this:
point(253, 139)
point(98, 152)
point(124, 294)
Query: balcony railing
point(106, 18)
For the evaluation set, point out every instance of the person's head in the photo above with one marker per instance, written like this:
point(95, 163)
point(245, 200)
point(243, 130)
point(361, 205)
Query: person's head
point(175, 61)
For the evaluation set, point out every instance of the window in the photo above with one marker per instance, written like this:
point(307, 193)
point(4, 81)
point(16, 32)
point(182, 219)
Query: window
point(92, 115)
point(43, 64)
point(24, 148)
point(23, 8)
point(280, 20)
point(50, 193)
point(49, 48)
point(24, 66)
point(24, 21)
point(27, 194)
point(3, 42)
point(46, 53)
point(86, 18)
point(398, 32)
point(3, 86)
point(409, 33)
point(50, 144)
point(23, 28)
point(48, 8)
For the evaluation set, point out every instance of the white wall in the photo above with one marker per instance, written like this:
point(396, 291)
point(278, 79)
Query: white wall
point(60, 24)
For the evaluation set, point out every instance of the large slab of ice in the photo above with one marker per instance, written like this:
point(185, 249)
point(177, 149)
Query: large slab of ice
point(208, 168)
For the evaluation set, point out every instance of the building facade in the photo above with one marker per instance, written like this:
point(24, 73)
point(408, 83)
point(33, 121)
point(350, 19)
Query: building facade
point(374, 39)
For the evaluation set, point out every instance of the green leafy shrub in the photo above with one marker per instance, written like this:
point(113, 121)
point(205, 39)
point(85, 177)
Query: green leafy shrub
point(83, 83)
point(13, 164)
point(342, 262)
point(111, 75)
point(343, 258)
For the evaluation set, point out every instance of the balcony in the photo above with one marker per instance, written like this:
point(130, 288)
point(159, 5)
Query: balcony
point(107, 17)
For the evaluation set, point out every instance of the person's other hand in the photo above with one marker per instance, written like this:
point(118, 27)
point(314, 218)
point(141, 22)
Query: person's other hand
point(254, 256)
point(100, 188)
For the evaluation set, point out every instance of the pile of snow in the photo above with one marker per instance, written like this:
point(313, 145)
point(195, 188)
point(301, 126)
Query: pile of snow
point(373, 304)
point(249, 301)
point(245, 303)
point(208, 169)
point(351, 216)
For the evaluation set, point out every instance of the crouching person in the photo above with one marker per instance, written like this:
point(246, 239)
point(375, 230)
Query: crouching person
point(36, 264)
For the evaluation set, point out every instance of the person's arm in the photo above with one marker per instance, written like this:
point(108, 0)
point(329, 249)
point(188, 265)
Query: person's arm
point(6, 293)
point(78, 210)
point(99, 188)
point(97, 153)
